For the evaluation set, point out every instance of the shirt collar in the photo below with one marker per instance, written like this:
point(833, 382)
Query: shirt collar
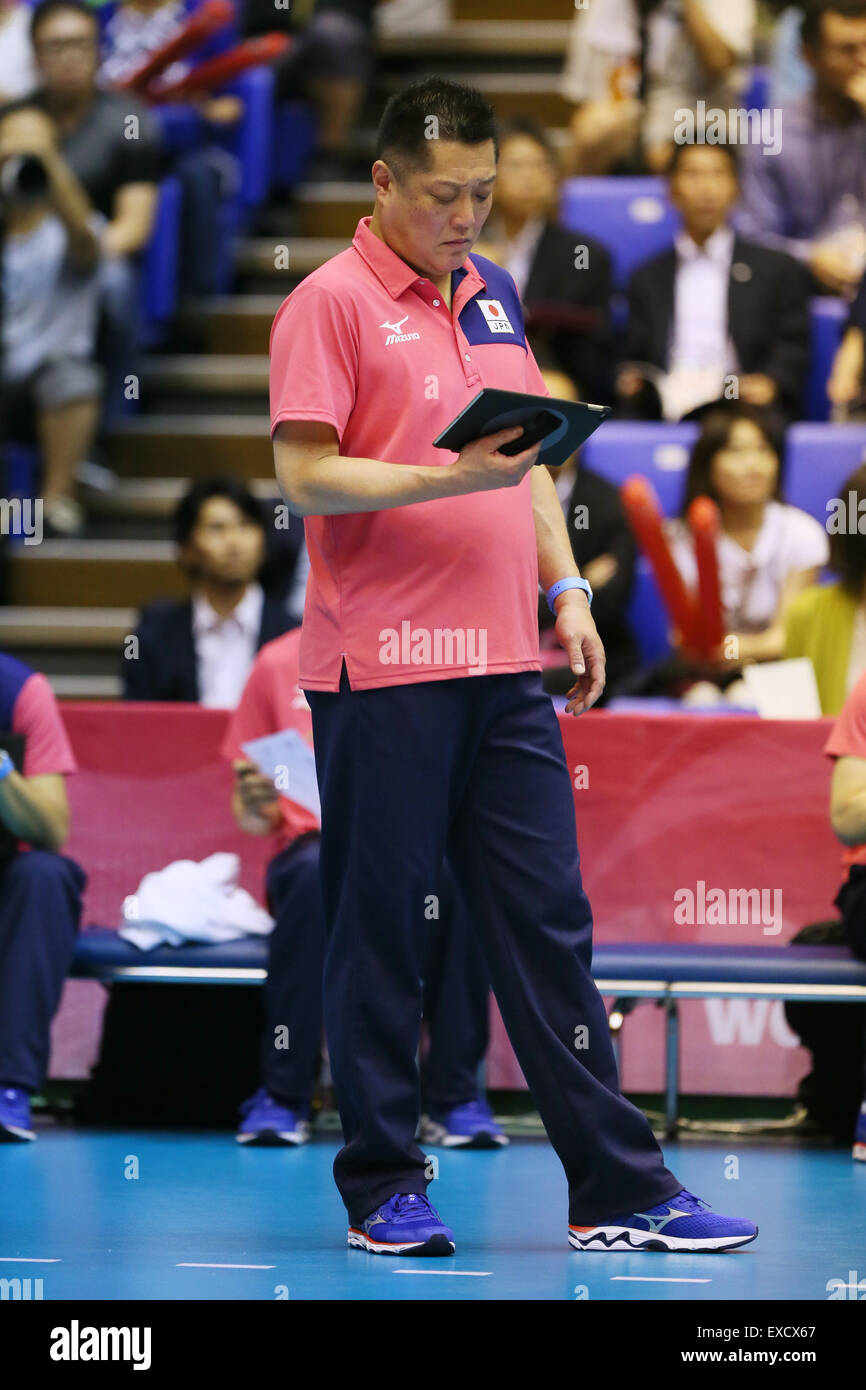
point(387, 266)
point(247, 615)
point(718, 248)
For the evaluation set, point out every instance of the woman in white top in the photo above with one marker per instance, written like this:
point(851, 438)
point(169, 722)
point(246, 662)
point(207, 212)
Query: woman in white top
point(768, 551)
point(18, 74)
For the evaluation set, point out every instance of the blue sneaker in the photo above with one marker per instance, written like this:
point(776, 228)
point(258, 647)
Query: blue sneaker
point(859, 1149)
point(404, 1225)
point(469, 1126)
point(269, 1124)
point(15, 1115)
point(681, 1223)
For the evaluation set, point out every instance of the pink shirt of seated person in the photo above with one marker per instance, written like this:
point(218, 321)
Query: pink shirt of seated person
point(435, 589)
point(272, 700)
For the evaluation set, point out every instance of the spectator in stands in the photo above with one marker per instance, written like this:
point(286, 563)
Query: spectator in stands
point(111, 146)
point(202, 649)
point(716, 315)
point(556, 271)
point(846, 386)
point(847, 745)
point(768, 552)
point(809, 199)
point(331, 63)
point(827, 623)
point(632, 65)
point(17, 69)
point(135, 31)
point(455, 977)
point(50, 288)
point(40, 888)
point(604, 549)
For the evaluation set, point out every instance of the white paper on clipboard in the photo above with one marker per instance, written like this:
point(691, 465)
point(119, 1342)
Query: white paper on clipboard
point(289, 761)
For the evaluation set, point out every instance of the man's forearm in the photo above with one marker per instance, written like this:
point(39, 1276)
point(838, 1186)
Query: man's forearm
point(36, 815)
point(555, 555)
point(74, 208)
point(335, 485)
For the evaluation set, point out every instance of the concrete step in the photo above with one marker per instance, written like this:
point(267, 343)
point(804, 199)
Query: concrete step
point(155, 499)
point(503, 11)
point(103, 574)
point(192, 446)
point(485, 38)
point(207, 374)
point(66, 628)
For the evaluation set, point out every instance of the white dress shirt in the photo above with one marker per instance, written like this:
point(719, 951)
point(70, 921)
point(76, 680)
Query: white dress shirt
point(520, 253)
point(701, 353)
point(225, 648)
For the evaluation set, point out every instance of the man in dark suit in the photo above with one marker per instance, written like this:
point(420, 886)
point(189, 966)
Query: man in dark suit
point(563, 277)
point(202, 649)
point(715, 317)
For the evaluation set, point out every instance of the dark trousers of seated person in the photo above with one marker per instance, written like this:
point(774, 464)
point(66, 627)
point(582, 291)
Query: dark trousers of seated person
point(456, 987)
point(851, 902)
point(40, 912)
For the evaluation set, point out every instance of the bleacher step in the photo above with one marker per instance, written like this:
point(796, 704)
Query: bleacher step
point(193, 446)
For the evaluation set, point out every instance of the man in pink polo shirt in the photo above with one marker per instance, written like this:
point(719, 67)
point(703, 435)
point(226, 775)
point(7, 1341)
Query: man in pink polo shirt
point(433, 734)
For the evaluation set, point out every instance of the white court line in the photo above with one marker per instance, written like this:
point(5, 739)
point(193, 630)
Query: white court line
point(190, 1264)
point(655, 1279)
point(28, 1260)
point(454, 1273)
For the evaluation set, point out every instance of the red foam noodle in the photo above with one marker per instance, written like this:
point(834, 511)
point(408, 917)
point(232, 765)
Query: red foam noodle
point(645, 518)
point(703, 518)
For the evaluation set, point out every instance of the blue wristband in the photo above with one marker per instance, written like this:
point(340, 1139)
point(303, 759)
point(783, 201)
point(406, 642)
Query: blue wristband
point(6, 764)
point(561, 585)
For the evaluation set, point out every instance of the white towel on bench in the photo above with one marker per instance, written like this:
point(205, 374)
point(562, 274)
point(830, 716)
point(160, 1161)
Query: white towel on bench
point(189, 901)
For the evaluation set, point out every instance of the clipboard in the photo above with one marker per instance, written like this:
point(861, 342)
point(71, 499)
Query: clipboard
point(562, 426)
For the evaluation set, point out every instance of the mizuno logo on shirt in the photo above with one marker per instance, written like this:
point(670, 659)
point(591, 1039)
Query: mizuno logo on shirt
point(396, 336)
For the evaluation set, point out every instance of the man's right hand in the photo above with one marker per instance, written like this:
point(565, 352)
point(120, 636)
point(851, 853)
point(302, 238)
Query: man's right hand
point(256, 798)
point(481, 468)
point(830, 265)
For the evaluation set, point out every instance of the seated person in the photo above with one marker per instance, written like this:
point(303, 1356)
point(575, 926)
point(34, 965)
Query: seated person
point(135, 31)
point(846, 386)
point(117, 172)
point(40, 888)
point(604, 550)
point(809, 198)
point(50, 287)
point(847, 745)
point(715, 316)
point(201, 649)
point(633, 65)
point(827, 623)
point(554, 269)
point(455, 977)
point(768, 552)
point(17, 69)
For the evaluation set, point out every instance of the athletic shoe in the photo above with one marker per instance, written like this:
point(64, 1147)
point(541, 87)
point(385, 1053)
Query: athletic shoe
point(15, 1115)
point(859, 1149)
point(681, 1223)
point(267, 1123)
point(404, 1225)
point(469, 1126)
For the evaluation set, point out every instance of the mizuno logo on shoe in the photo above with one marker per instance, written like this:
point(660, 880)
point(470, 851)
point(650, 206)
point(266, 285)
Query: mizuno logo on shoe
point(658, 1223)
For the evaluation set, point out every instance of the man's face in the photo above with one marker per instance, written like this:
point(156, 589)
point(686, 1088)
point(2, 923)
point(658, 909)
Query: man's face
point(433, 218)
point(67, 53)
point(704, 188)
point(840, 53)
point(226, 546)
point(526, 181)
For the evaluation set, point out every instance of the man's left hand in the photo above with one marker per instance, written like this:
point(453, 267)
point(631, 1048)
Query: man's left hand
point(576, 632)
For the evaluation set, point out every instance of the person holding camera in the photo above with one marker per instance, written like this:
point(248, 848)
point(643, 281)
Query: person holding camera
point(49, 265)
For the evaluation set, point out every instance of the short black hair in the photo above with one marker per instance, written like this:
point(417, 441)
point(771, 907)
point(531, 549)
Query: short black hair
point(815, 10)
point(461, 114)
point(716, 427)
point(679, 149)
point(46, 8)
point(189, 507)
point(847, 551)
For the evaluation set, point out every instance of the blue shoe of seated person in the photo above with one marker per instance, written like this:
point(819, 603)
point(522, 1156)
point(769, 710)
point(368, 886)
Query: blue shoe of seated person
point(683, 1223)
point(404, 1225)
point(859, 1150)
point(15, 1115)
point(266, 1123)
point(469, 1126)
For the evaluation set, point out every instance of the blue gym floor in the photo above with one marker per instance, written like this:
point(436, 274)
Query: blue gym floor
point(273, 1219)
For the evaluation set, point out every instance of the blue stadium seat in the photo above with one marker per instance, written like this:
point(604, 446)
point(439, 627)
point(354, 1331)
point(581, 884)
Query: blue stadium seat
point(631, 216)
point(659, 451)
point(819, 457)
point(756, 95)
point(251, 140)
point(827, 317)
point(160, 267)
point(647, 615)
point(294, 139)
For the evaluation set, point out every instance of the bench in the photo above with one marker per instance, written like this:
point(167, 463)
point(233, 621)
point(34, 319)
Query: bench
point(659, 971)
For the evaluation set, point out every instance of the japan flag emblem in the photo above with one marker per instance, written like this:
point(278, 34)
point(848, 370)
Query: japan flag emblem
point(495, 315)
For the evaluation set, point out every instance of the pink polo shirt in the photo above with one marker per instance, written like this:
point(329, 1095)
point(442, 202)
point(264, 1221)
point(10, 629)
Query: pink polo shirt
point(435, 589)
